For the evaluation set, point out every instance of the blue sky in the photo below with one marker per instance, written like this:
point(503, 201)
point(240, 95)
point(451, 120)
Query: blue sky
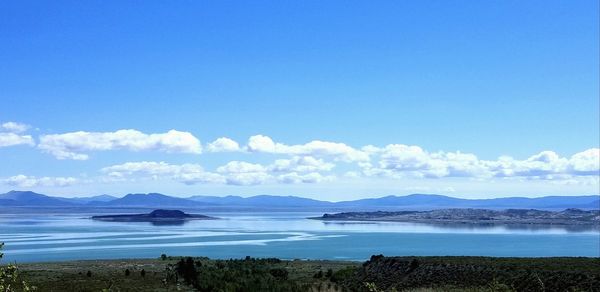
point(420, 81)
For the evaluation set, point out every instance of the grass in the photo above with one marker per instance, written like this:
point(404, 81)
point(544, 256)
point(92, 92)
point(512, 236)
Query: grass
point(111, 275)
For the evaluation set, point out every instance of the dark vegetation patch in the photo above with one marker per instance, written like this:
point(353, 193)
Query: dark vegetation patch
point(505, 274)
point(378, 274)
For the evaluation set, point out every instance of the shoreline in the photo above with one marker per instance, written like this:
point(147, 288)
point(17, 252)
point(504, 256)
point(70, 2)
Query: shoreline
point(342, 261)
point(592, 225)
point(525, 217)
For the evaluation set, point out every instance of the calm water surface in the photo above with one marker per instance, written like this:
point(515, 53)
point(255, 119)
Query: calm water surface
point(35, 237)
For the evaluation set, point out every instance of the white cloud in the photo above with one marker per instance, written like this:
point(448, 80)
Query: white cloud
point(586, 162)
point(14, 127)
point(223, 144)
point(545, 164)
point(24, 181)
point(301, 164)
point(400, 161)
point(72, 145)
point(339, 151)
point(12, 139)
point(352, 174)
point(298, 163)
point(549, 165)
point(185, 173)
point(414, 161)
point(260, 143)
point(247, 178)
point(233, 173)
point(296, 170)
point(240, 167)
point(191, 178)
point(294, 178)
point(150, 168)
point(244, 173)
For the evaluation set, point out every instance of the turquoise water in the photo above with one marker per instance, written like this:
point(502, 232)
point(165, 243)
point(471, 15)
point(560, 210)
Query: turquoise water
point(35, 237)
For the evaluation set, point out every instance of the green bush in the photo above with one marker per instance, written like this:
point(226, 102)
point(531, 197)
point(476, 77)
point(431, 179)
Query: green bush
point(10, 279)
point(248, 274)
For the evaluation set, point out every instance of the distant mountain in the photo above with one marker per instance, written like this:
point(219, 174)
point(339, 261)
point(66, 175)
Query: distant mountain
point(100, 198)
point(7, 202)
point(402, 201)
point(262, 201)
point(26, 198)
point(150, 200)
point(593, 205)
point(390, 203)
point(550, 202)
point(88, 200)
point(423, 201)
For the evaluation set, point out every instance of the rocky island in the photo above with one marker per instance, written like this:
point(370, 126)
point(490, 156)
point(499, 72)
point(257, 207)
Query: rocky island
point(156, 216)
point(475, 216)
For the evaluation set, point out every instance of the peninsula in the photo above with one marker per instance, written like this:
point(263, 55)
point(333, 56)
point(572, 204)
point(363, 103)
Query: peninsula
point(475, 216)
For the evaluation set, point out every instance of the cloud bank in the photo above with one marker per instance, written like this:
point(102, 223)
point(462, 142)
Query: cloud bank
point(312, 162)
point(74, 145)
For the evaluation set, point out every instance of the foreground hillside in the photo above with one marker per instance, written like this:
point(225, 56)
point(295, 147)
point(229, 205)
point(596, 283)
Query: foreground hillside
point(378, 274)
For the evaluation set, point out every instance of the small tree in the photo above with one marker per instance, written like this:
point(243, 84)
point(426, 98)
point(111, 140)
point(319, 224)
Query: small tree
point(163, 257)
point(143, 273)
point(89, 273)
point(9, 278)
point(127, 272)
point(187, 269)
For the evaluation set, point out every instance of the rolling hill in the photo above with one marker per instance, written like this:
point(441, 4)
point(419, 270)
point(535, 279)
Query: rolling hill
point(265, 202)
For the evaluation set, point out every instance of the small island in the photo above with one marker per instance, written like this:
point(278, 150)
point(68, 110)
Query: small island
point(475, 216)
point(156, 216)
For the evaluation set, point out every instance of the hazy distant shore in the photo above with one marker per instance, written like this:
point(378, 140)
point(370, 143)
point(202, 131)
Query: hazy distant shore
point(475, 216)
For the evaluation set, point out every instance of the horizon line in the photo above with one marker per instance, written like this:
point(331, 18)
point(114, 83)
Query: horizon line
point(302, 197)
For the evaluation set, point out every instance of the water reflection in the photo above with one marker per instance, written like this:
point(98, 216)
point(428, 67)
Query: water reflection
point(169, 223)
point(35, 237)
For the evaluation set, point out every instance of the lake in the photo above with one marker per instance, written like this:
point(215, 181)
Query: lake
point(57, 237)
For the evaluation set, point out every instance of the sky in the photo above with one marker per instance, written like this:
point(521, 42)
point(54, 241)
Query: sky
point(333, 100)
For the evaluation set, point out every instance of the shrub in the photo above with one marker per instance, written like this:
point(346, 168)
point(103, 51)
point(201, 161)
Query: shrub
point(10, 279)
point(329, 273)
point(279, 273)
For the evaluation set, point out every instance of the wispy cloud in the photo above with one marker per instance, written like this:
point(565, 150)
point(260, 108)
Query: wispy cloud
point(12, 139)
point(24, 181)
point(14, 127)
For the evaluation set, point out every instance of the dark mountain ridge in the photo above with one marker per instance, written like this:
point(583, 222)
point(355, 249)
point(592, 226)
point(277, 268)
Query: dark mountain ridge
point(270, 202)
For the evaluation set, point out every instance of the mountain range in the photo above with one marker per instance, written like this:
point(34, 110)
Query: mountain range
point(409, 202)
